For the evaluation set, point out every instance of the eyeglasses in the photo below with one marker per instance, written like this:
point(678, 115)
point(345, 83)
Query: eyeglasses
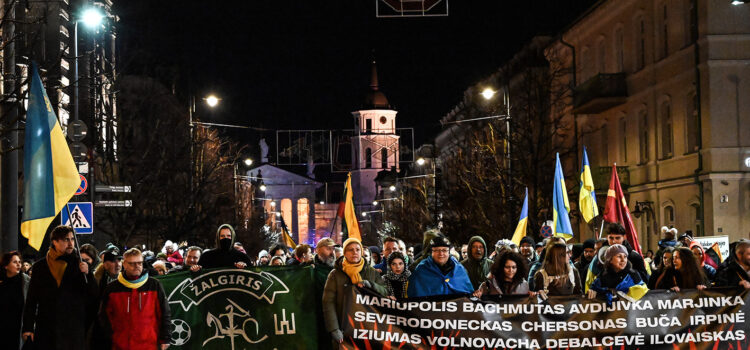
point(441, 251)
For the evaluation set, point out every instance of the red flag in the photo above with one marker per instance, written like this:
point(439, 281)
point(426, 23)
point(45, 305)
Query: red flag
point(340, 211)
point(616, 210)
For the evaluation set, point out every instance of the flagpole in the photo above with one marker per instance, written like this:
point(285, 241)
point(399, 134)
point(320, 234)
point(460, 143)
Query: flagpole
point(75, 235)
point(601, 230)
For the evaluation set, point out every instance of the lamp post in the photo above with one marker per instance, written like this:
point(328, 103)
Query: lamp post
point(91, 18)
point(488, 94)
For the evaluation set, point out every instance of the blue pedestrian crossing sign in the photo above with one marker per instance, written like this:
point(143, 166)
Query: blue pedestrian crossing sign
point(80, 216)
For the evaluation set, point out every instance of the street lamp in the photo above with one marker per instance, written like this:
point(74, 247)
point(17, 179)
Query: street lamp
point(392, 188)
point(420, 161)
point(248, 162)
point(212, 101)
point(91, 18)
point(263, 187)
point(488, 93)
point(739, 2)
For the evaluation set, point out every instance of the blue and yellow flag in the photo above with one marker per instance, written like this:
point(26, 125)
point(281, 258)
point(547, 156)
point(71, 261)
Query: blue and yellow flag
point(560, 205)
point(522, 221)
point(587, 197)
point(50, 177)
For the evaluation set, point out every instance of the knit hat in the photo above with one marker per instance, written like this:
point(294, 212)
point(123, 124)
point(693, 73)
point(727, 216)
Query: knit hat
point(351, 240)
point(263, 253)
point(613, 250)
point(375, 249)
point(111, 253)
point(589, 243)
point(528, 240)
point(440, 241)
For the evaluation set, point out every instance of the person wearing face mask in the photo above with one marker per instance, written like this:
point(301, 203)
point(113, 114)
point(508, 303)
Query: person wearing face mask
point(224, 255)
point(13, 287)
point(55, 315)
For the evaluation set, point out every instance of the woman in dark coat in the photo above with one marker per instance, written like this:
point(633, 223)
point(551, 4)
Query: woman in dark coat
point(13, 287)
point(685, 273)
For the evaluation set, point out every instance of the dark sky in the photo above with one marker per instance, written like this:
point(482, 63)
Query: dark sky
point(304, 64)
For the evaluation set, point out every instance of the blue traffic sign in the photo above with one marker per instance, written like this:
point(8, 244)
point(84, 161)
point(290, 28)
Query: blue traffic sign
point(80, 216)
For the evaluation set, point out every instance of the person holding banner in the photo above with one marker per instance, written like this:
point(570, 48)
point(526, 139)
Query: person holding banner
point(55, 315)
point(616, 234)
point(477, 264)
point(397, 277)
point(557, 276)
point(737, 271)
point(618, 279)
point(683, 274)
point(440, 273)
point(507, 277)
point(224, 255)
point(349, 270)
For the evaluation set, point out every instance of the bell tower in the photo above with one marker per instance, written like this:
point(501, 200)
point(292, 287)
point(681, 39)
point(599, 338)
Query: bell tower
point(375, 143)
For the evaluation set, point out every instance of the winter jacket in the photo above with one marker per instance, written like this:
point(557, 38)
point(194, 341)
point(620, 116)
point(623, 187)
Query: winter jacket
point(626, 281)
point(135, 318)
point(12, 297)
point(491, 287)
point(337, 285)
point(175, 258)
point(59, 316)
point(223, 257)
point(732, 275)
point(428, 279)
point(477, 269)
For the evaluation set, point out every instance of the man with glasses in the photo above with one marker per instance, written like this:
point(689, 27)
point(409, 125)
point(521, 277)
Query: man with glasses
point(439, 273)
point(55, 315)
point(134, 312)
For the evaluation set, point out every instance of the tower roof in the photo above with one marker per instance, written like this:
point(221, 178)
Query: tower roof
point(375, 99)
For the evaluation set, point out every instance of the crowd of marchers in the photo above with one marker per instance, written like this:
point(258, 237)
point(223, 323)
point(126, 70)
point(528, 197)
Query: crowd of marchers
point(85, 299)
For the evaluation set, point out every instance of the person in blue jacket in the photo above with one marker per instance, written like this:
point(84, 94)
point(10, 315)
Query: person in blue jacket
point(439, 273)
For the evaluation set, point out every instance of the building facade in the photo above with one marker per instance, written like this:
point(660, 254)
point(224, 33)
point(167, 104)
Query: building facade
point(658, 91)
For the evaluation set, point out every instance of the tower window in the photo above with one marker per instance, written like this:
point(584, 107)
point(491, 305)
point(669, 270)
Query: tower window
point(384, 158)
point(368, 158)
point(368, 125)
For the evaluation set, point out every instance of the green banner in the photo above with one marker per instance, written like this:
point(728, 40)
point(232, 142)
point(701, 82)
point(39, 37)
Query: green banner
point(258, 308)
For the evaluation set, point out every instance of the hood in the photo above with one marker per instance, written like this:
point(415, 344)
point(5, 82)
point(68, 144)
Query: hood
point(263, 253)
point(231, 229)
point(703, 251)
point(480, 240)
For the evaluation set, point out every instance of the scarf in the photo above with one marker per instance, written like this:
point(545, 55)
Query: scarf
point(402, 278)
point(352, 270)
point(56, 267)
point(134, 284)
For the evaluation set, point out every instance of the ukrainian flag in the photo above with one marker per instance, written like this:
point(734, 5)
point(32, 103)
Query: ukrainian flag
point(587, 197)
point(522, 221)
point(560, 205)
point(50, 177)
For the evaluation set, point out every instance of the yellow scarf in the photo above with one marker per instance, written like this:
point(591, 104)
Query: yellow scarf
point(56, 267)
point(352, 270)
point(132, 284)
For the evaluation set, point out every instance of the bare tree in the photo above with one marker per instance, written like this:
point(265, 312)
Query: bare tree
point(481, 195)
point(156, 161)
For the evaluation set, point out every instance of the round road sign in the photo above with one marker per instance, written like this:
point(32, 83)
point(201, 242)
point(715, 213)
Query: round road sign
point(83, 186)
point(77, 130)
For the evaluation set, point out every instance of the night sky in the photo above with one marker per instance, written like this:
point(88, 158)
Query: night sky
point(304, 64)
